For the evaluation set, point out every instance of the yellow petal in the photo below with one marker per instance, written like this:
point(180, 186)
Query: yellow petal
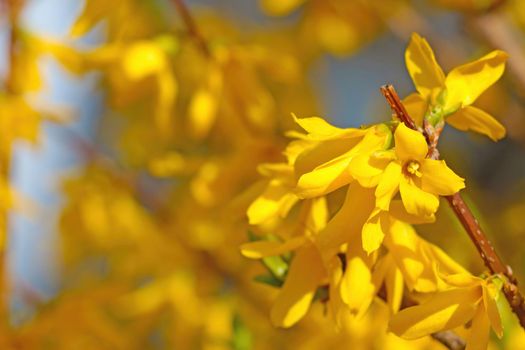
point(280, 7)
point(334, 173)
point(444, 263)
point(410, 144)
point(327, 154)
point(325, 178)
point(472, 118)
point(335, 303)
point(142, 59)
point(318, 216)
point(462, 280)
point(491, 308)
point(319, 129)
point(305, 274)
point(439, 179)
point(398, 211)
point(367, 169)
point(404, 245)
point(415, 200)
point(416, 106)
point(202, 111)
point(426, 74)
point(348, 222)
point(262, 249)
point(388, 185)
point(275, 201)
point(465, 83)
point(374, 231)
point(357, 289)
point(394, 284)
point(443, 311)
point(479, 330)
point(167, 86)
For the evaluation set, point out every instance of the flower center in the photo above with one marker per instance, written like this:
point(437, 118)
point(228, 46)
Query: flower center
point(412, 168)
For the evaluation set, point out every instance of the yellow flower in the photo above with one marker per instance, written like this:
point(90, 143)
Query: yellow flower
point(278, 196)
point(469, 299)
point(419, 260)
point(323, 167)
point(280, 7)
point(405, 169)
point(451, 96)
point(306, 271)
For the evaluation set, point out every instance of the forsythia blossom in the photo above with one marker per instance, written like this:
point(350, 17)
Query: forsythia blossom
point(344, 203)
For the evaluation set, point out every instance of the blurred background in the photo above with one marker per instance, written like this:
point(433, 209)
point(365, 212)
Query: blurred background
point(129, 143)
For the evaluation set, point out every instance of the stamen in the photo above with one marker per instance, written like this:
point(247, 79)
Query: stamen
point(413, 168)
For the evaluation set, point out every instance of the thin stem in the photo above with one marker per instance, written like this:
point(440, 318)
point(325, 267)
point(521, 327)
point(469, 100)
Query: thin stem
point(485, 249)
point(192, 28)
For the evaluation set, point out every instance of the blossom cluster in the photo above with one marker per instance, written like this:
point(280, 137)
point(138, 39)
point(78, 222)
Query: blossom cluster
point(339, 212)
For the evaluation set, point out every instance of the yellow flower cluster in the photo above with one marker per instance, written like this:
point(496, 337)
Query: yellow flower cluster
point(339, 212)
point(187, 166)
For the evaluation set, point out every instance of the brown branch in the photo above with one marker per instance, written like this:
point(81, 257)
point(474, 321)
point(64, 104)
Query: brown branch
point(450, 339)
point(191, 26)
point(485, 249)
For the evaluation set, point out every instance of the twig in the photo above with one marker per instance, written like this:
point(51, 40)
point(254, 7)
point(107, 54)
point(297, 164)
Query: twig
point(485, 249)
point(189, 22)
point(450, 339)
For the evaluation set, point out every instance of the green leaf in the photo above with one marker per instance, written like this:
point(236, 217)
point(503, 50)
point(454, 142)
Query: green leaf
point(269, 280)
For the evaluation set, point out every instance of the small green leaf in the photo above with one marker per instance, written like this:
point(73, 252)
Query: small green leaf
point(269, 280)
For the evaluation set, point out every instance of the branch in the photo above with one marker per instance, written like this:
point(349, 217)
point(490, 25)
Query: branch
point(485, 249)
point(191, 27)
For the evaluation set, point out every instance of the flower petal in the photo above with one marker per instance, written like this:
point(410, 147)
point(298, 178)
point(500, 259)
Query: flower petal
point(491, 308)
point(367, 169)
point(334, 173)
point(404, 245)
point(398, 211)
point(410, 144)
point(280, 7)
point(388, 185)
point(305, 274)
point(325, 178)
point(320, 130)
point(335, 303)
point(357, 289)
point(472, 118)
point(275, 201)
point(426, 74)
point(439, 179)
point(465, 83)
point(417, 201)
point(348, 222)
point(444, 310)
point(262, 249)
point(374, 231)
point(479, 331)
point(394, 284)
point(416, 106)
